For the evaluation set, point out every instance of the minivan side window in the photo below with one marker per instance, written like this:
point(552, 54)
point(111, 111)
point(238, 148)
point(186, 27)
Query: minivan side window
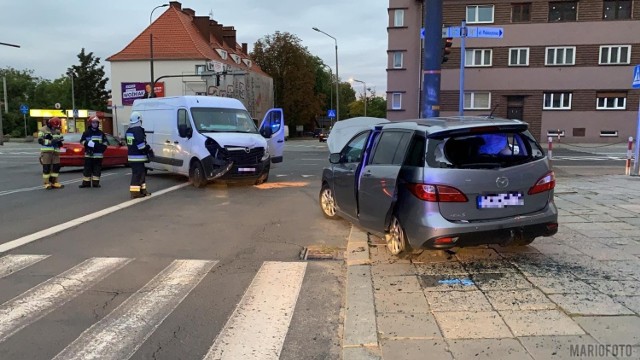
point(352, 152)
point(391, 148)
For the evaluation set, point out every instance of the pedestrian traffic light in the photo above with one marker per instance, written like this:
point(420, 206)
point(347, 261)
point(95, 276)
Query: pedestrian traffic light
point(446, 48)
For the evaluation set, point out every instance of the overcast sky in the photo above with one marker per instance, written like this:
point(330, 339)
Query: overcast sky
point(52, 33)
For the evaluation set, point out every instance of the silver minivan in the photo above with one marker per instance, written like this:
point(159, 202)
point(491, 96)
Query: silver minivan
point(440, 183)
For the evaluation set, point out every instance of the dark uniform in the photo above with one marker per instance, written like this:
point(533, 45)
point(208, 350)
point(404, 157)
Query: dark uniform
point(138, 150)
point(93, 156)
point(50, 139)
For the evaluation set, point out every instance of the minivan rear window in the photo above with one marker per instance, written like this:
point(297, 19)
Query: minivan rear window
point(483, 150)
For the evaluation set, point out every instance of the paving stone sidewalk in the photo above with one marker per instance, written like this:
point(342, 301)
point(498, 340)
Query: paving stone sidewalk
point(575, 295)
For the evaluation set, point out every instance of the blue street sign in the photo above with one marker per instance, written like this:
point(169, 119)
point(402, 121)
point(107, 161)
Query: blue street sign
point(24, 109)
point(331, 113)
point(422, 33)
point(636, 77)
point(75, 112)
point(485, 32)
point(452, 32)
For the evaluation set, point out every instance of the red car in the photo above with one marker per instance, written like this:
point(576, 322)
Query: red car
point(72, 152)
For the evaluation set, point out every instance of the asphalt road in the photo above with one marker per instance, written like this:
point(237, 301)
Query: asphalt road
point(175, 276)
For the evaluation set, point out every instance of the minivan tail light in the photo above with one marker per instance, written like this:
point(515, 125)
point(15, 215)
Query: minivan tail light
point(437, 193)
point(545, 183)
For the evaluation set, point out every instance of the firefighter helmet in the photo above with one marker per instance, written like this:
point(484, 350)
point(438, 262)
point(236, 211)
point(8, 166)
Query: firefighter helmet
point(135, 117)
point(54, 123)
point(94, 119)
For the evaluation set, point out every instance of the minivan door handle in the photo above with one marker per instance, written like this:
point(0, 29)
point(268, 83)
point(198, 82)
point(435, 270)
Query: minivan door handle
point(167, 142)
point(176, 142)
point(368, 173)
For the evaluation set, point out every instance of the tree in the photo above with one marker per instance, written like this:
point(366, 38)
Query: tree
point(89, 82)
point(376, 106)
point(293, 70)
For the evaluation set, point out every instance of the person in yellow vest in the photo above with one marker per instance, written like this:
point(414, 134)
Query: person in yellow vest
point(95, 144)
point(50, 140)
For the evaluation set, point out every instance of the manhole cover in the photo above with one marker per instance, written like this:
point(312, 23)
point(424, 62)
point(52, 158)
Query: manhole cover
point(320, 252)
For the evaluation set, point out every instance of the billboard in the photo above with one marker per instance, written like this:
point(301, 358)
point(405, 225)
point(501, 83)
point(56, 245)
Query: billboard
point(139, 90)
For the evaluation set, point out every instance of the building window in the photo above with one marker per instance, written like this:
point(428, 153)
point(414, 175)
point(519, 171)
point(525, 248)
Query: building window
point(477, 100)
point(397, 60)
point(223, 53)
point(519, 57)
point(615, 54)
point(398, 18)
point(557, 101)
point(608, 133)
point(560, 56)
point(477, 14)
point(200, 69)
point(521, 12)
point(477, 57)
point(616, 10)
point(396, 101)
point(563, 11)
point(611, 101)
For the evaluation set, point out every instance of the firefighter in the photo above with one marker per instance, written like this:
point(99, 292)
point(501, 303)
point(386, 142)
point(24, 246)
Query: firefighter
point(139, 152)
point(95, 143)
point(50, 139)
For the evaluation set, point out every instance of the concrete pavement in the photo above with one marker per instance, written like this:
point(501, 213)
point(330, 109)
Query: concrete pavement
point(573, 295)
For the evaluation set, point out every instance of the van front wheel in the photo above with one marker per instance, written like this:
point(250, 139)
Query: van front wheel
point(196, 175)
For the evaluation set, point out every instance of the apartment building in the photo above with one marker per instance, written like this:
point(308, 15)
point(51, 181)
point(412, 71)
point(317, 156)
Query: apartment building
point(565, 67)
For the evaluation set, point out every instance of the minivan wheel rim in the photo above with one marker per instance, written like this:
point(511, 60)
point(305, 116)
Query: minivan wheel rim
point(395, 241)
point(328, 205)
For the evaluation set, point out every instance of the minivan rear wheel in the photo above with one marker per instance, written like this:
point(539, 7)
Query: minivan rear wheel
point(196, 175)
point(328, 202)
point(396, 238)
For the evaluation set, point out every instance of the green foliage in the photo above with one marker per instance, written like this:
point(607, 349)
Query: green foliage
point(376, 106)
point(38, 93)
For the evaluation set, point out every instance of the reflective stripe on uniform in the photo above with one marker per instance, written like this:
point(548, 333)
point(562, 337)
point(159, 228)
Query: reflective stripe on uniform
point(141, 146)
point(54, 175)
point(134, 188)
point(137, 158)
point(45, 176)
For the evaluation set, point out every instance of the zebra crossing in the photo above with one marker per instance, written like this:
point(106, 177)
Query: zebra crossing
point(263, 314)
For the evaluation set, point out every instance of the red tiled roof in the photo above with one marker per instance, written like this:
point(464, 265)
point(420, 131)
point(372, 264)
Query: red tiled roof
point(175, 37)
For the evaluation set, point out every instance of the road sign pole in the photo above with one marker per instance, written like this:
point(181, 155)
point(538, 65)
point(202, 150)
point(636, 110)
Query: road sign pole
point(432, 59)
point(24, 118)
point(463, 36)
point(636, 164)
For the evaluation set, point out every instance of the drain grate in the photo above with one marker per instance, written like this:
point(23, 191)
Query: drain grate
point(321, 252)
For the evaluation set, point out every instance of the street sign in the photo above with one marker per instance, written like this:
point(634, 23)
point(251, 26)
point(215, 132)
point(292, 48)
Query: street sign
point(473, 32)
point(75, 112)
point(24, 109)
point(422, 33)
point(331, 113)
point(636, 77)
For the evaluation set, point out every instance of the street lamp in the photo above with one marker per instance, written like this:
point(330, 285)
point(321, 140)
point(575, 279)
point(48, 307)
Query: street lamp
point(153, 85)
point(365, 94)
point(337, 77)
point(73, 100)
point(4, 81)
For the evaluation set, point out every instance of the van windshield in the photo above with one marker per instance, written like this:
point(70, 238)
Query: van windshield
point(223, 120)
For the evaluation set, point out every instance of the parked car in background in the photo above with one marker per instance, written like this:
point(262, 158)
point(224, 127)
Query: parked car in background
point(72, 152)
point(440, 183)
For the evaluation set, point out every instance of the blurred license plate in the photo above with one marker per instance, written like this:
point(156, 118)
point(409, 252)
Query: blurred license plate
point(63, 150)
point(496, 201)
point(246, 169)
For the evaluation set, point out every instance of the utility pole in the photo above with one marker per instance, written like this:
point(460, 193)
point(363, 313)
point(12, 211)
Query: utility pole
point(432, 62)
point(4, 86)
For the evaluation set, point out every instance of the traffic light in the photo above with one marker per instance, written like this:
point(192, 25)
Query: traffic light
point(446, 48)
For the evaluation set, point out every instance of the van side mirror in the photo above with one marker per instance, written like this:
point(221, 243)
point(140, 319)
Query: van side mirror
point(335, 158)
point(184, 131)
point(266, 132)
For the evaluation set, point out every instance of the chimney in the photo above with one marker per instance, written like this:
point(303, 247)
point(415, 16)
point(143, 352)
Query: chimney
point(245, 49)
point(175, 4)
point(229, 34)
point(202, 24)
point(216, 30)
point(189, 12)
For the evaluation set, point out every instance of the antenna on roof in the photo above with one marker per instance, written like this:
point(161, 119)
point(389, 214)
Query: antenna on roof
point(211, 14)
point(490, 116)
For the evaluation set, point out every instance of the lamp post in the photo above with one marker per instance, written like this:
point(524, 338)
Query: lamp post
point(365, 94)
point(337, 77)
point(4, 81)
point(153, 85)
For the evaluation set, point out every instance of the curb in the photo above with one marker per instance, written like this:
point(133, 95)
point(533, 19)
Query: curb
point(360, 336)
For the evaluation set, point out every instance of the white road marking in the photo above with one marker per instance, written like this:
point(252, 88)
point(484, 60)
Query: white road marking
point(119, 335)
point(10, 245)
point(279, 175)
point(259, 324)
point(12, 263)
point(306, 176)
point(39, 187)
point(312, 159)
point(39, 301)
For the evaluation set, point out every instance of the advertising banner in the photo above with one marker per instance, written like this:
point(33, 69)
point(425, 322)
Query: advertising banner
point(139, 90)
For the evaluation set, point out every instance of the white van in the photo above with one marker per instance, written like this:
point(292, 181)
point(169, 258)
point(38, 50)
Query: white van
point(208, 137)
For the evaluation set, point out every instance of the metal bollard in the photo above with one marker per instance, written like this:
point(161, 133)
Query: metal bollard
point(550, 151)
point(629, 152)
